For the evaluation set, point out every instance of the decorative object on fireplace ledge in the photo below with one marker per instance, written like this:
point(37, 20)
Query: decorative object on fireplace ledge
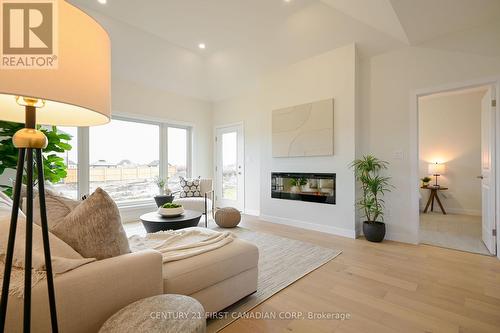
point(310, 187)
point(303, 130)
point(374, 186)
point(297, 184)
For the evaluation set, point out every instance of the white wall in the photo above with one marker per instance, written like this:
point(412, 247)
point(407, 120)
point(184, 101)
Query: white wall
point(131, 99)
point(137, 101)
point(139, 88)
point(450, 133)
point(245, 109)
point(329, 75)
point(389, 117)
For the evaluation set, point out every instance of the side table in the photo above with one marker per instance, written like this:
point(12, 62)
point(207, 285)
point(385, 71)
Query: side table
point(434, 195)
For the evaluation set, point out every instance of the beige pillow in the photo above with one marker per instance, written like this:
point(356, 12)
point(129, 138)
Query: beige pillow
point(58, 248)
point(93, 228)
point(58, 207)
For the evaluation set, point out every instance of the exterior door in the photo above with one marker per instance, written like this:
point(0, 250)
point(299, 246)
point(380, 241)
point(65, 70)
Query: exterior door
point(230, 167)
point(488, 169)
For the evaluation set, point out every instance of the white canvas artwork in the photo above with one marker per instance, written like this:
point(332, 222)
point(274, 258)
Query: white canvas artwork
point(303, 130)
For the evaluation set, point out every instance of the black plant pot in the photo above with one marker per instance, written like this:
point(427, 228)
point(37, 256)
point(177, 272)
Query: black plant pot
point(163, 199)
point(374, 231)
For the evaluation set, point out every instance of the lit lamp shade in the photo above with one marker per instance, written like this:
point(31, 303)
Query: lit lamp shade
point(77, 92)
point(437, 169)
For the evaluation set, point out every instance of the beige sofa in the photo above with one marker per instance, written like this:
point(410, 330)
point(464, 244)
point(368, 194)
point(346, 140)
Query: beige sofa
point(90, 294)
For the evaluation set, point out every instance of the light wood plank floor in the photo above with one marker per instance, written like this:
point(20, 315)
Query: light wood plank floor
point(388, 287)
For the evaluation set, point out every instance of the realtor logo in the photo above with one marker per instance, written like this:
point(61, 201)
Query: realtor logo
point(29, 34)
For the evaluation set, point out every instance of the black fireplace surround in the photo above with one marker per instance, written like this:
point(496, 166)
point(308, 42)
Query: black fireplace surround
point(310, 187)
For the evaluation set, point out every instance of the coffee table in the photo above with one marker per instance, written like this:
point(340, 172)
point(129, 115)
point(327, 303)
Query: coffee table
point(154, 222)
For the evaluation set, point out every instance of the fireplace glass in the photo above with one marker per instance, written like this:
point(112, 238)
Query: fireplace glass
point(310, 187)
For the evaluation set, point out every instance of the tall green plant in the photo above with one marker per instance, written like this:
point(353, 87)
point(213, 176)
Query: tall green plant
point(373, 185)
point(54, 167)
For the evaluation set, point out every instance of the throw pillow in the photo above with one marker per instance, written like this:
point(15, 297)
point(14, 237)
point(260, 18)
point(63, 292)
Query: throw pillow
point(190, 188)
point(93, 228)
point(64, 258)
point(58, 207)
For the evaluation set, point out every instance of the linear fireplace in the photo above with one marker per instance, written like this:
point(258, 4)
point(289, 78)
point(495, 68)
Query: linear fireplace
point(311, 187)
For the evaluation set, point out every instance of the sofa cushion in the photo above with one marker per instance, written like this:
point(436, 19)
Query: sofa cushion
point(197, 204)
point(94, 228)
point(193, 274)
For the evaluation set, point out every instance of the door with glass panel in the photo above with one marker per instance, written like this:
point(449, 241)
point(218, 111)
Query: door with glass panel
point(230, 167)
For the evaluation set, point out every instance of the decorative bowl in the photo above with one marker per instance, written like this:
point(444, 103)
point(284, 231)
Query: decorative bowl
point(171, 212)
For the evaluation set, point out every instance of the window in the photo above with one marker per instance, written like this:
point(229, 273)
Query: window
point(177, 156)
point(69, 186)
point(124, 159)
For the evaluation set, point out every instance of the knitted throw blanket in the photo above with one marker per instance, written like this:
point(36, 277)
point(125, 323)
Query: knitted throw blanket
point(181, 244)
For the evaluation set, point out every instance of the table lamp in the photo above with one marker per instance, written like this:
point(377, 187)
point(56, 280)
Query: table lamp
point(76, 92)
point(437, 169)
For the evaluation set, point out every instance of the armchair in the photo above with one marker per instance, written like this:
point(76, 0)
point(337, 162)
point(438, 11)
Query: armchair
point(203, 204)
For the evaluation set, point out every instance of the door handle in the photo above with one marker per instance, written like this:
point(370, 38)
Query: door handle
point(480, 177)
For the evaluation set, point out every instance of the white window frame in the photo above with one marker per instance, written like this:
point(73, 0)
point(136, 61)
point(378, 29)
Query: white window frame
point(83, 142)
point(189, 146)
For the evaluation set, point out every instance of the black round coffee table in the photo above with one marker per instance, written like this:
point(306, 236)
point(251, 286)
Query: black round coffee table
point(154, 222)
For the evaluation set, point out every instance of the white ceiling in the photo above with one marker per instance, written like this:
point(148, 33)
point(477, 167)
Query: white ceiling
point(155, 41)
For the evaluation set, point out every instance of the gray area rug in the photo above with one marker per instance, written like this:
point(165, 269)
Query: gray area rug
point(282, 261)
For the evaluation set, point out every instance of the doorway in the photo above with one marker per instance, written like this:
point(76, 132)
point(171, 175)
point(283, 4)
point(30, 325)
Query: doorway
point(229, 167)
point(456, 139)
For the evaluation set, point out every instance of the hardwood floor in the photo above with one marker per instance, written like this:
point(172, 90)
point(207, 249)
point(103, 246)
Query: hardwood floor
point(387, 287)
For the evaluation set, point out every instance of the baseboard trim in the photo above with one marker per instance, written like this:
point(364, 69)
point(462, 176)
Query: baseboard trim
point(310, 226)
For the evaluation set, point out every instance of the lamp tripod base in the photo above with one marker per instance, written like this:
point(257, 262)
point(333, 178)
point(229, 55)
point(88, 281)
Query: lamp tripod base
point(28, 153)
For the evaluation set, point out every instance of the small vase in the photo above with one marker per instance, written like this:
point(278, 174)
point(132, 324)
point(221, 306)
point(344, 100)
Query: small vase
point(161, 191)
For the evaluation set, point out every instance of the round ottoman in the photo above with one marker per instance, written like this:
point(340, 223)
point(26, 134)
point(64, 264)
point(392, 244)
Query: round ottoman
point(227, 217)
point(163, 313)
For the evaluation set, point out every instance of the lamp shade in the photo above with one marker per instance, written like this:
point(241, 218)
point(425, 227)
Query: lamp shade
point(78, 91)
point(437, 168)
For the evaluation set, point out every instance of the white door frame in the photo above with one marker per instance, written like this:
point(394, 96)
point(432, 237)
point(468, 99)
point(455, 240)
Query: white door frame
point(414, 148)
point(214, 141)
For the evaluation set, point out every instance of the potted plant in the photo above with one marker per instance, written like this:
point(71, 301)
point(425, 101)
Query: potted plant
point(165, 195)
point(373, 185)
point(425, 181)
point(54, 166)
point(160, 182)
point(297, 183)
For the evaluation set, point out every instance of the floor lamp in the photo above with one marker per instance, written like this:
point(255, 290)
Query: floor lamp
point(74, 91)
